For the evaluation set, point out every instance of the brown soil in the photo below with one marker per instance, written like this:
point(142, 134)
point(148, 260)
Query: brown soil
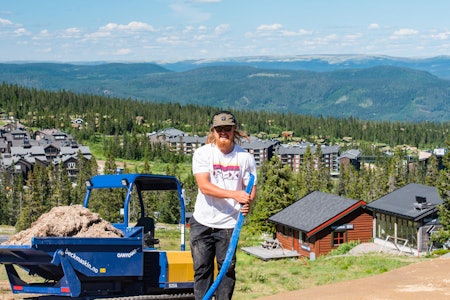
point(61, 221)
point(66, 221)
point(423, 280)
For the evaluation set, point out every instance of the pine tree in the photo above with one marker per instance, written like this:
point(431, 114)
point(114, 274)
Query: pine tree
point(432, 172)
point(3, 199)
point(397, 171)
point(443, 185)
point(274, 194)
point(309, 172)
point(36, 202)
point(146, 169)
point(110, 164)
point(323, 171)
point(66, 194)
point(15, 194)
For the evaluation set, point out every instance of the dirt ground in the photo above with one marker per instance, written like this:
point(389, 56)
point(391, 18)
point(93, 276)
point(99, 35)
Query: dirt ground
point(422, 280)
point(62, 221)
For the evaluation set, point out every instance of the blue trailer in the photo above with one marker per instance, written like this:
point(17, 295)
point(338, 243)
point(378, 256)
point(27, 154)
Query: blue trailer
point(97, 267)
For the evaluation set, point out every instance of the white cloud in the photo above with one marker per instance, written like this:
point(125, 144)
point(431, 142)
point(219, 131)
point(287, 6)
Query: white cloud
point(441, 35)
point(21, 32)
point(170, 40)
point(300, 32)
point(271, 27)
point(5, 22)
point(138, 26)
point(123, 51)
point(222, 28)
point(188, 29)
point(373, 26)
point(44, 32)
point(72, 32)
point(405, 32)
point(111, 29)
point(331, 37)
point(132, 26)
point(99, 34)
point(354, 36)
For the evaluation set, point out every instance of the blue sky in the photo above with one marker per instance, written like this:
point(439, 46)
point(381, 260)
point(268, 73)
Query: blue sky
point(171, 30)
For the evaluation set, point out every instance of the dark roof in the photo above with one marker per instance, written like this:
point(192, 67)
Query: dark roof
point(188, 139)
point(256, 143)
point(402, 201)
point(313, 210)
point(351, 154)
point(300, 149)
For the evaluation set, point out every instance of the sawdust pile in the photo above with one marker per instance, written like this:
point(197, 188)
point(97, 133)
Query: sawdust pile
point(66, 221)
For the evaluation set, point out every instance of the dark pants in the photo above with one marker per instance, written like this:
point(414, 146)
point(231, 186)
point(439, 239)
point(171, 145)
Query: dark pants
point(207, 243)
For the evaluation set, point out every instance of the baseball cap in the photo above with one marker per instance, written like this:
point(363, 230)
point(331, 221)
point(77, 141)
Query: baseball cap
point(223, 118)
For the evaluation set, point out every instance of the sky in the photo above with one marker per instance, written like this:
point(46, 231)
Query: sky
point(174, 30)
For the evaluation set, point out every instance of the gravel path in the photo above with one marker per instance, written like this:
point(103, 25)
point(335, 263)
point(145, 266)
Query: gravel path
point(426, 279)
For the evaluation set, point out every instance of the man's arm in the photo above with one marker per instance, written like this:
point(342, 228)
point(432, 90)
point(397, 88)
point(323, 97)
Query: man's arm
point(207, 188)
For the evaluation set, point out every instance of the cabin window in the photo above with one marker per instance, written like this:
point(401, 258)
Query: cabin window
point(302, 237)
point(339, 238)
point(286, 231)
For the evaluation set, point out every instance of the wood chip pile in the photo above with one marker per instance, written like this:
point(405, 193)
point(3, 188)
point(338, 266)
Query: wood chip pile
point(66, 221)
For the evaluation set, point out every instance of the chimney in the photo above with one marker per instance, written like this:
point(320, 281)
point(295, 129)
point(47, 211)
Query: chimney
point(421, 203)
point(420, 199)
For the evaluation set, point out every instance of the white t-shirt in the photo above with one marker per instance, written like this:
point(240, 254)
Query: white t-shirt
point(229, 171)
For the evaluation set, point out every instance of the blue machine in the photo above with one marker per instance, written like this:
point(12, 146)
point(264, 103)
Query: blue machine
point(106, 267)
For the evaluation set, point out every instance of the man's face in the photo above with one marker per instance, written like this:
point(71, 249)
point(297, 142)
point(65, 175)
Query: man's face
point(224, 135)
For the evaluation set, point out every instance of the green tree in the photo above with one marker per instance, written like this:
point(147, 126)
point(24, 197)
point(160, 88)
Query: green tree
point(443, 186)
point(309, 174)
point(398, 171)
point(168, 207)
point(323, 171)
point(110, 164)
point(3, 199)
point(36, 201)
point(348, 185)
point(432, 172)
point(15, 194)
point(274, 194)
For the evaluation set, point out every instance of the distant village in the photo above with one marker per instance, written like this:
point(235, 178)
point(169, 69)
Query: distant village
point(21, 150)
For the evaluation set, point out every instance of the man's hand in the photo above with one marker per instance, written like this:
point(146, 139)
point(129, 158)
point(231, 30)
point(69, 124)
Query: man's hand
point(242, 197)
point(245, 209)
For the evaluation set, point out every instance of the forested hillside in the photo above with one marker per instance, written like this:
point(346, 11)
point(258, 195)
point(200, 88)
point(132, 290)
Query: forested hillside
point(377, 93)
point(109, 116)
point(438, 66)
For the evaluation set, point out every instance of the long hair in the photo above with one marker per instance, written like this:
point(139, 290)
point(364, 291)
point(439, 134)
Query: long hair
point(238, 136)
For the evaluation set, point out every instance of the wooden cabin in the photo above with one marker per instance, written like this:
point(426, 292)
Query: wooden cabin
point(407, 217)
point(320, 222)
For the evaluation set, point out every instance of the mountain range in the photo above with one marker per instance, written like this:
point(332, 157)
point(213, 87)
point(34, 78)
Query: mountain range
point(364, 87)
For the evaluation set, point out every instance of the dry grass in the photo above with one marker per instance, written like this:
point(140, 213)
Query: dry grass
point(257, 278)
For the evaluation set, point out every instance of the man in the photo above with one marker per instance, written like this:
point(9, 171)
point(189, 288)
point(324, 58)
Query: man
point(222, 170)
